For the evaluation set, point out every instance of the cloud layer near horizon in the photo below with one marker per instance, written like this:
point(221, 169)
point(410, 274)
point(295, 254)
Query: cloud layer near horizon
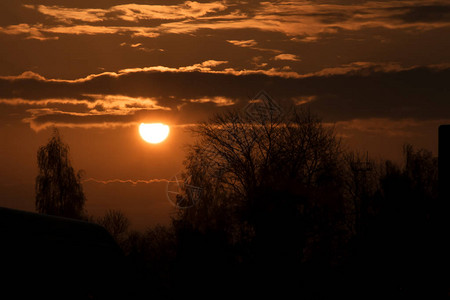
point(191, 94)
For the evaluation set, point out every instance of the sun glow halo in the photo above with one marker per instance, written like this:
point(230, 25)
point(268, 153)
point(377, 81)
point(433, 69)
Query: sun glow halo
point(154, 133)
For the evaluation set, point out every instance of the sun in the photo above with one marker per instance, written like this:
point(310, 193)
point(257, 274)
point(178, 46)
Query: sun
point(154, 133)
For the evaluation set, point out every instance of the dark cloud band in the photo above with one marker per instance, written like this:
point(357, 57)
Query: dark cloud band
point(358, 91)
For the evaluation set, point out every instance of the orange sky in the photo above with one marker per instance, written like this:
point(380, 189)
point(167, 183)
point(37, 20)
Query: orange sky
point(377, 70)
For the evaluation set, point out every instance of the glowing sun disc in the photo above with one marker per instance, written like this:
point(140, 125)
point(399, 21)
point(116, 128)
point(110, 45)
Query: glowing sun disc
point(154, 133)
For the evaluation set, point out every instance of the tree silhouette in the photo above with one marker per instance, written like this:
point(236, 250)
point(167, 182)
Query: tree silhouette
point(116, 223)
point(361, 184)
point(58, 189)
point(270, 189)
point(397, 230)
point(237, 156)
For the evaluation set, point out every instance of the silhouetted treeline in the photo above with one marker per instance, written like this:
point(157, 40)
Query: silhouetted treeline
point(284, 210)
point(275, 206)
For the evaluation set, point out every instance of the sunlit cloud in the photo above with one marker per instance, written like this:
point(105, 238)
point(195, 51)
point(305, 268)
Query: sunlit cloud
point(98, 107)
point(122, 104)
point(44, 118)
point(306, 39)
point(99, 104)
point(208, 65)
point(140, 47)
point(243, 43)
point(219, 101)
point(67, 15)
point(129, 12)
point(38, 126)
point(25, 75)
point(311, 19)
point(38, 31)
point(286, 56)
point(188, 9)
point(94, 30)
point(361, 67)
point(30, 31)
point(105, 100)
point(204, 67)
point(304, 21)
point(252, 44)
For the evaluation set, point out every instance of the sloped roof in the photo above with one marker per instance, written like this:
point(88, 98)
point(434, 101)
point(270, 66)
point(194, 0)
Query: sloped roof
point(59, 255)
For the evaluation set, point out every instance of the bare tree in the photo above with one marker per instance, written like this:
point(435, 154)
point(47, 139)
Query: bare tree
point(360, 185)
point(263, 177)
point(58, 189)
point(116, 223)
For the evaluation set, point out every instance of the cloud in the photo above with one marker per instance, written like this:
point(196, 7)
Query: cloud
point(187, 95)
point(188, 9)
point(303, 100)
point(25, 75)
point(40, 119)
point(94, 30)
point(427, 13)
point(306, 39)
point(243, 43)
point(304, 21)
point(373, 126)
point(284, 56)
point(212, 63)
point(129, 12)
point(310, 20)
point(219, 101)
point(362, 67)
point(252, 45)
point(30, 31)
point(41, 32)
point(67, 15)
point(404, 127)
point(132, 181)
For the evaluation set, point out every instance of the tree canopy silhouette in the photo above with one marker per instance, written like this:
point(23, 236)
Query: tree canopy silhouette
point(116, 223)
point(58, 188)
point(239, 158)
point(270, 191)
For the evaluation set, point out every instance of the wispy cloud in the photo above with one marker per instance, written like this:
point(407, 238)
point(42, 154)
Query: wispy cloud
point(96, 103)
point(252, 44)
point(30, 31)
point(129, 12)
point(41, 32)
point(68, 15)
point(126, 181)
point(219, 101)
point(188, 9)
point(405, 127)
point(243, 43)
point(286, 56)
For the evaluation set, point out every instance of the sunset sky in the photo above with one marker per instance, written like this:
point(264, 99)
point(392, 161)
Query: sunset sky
point(379, 71)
